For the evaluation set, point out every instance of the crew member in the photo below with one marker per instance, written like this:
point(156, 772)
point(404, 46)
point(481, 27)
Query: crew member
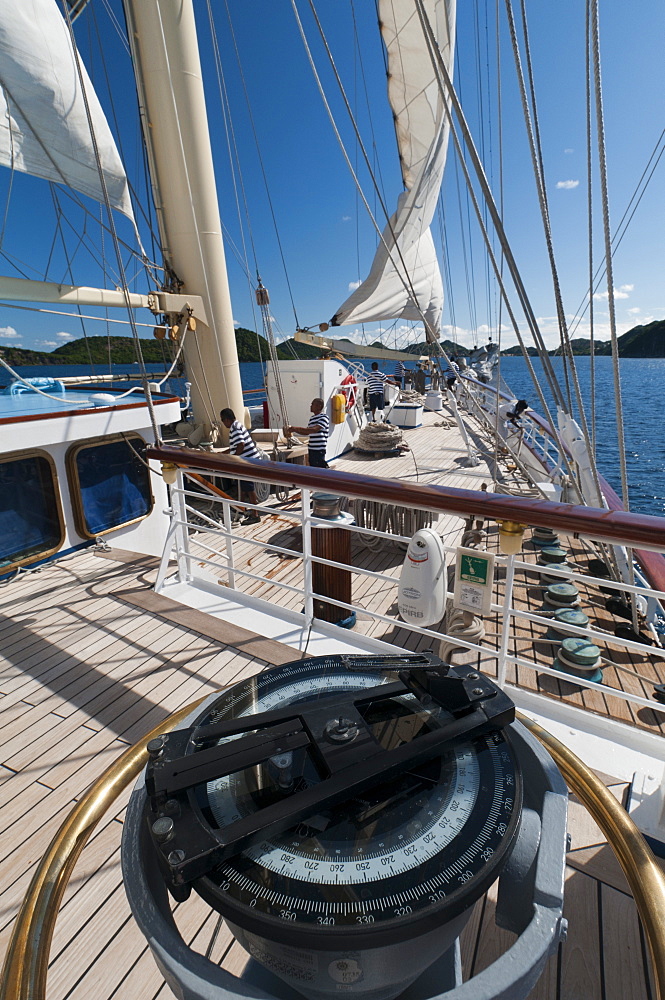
point(510, 415)
point(241, 444)
point(450, 373)
point(399, 373)
point(317, 431)
point(376, 383)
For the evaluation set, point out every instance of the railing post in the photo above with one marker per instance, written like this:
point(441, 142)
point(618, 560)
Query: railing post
point(169, 542)
point(183, 554)
point(226, 506)
point(307, 555)
point(505, 620)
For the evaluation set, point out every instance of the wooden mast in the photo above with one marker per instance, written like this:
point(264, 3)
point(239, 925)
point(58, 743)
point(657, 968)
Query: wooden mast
point(163, 38)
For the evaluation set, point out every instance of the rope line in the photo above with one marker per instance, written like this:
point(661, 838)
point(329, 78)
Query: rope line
point(116, 245)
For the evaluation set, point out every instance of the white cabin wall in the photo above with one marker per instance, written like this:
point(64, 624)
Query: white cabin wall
point(55, 435)
point(303, 381)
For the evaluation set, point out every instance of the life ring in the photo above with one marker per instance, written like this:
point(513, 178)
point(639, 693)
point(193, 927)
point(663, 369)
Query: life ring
point(349, 386)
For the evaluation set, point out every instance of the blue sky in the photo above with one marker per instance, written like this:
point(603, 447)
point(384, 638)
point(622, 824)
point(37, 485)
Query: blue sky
point(327, 241)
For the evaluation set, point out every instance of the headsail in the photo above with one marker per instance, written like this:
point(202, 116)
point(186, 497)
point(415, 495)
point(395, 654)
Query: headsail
point(407, 256)
point(44, 128)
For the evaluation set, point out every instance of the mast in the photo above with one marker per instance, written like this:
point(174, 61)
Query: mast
point(162, 34)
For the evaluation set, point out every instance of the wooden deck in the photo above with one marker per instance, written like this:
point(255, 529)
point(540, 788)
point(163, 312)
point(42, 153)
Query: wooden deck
point(435, 457)
point(83, 674)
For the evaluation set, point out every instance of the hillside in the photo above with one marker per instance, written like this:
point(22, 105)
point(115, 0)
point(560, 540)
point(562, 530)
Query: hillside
point(640, 342)
point(95, 350)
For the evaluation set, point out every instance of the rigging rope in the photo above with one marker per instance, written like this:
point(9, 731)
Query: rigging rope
point(446, 87)
point(536, 157)
point(589, 184)
point(403, 273)
point(260, 158)
point(59, 399)
point(445, 80)
point(107, 203)
point(602, 165)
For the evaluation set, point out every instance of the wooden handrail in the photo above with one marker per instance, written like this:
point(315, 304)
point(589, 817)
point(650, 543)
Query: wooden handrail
point(636, 530)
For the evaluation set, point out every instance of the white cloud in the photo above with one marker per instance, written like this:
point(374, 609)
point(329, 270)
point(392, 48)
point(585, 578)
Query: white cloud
point(622, 292)
point(354, 284)
point(634, 311)
point(569, 150)
point(64, 336)
point(47, 343)
point(346, 218)
point(567, 185)
point(8, 333)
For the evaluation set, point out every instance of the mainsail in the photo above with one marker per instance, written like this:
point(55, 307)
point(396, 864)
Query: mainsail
point(404, 281)
point(44, 128)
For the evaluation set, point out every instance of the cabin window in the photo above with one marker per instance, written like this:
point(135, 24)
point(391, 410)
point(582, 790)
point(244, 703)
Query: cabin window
point(109, 484)
point(31, 526)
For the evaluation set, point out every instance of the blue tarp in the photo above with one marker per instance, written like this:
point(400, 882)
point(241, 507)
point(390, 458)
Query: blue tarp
point(29, 521)
point(115, 485)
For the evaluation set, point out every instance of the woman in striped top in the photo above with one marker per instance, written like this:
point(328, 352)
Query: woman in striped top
point(241, 444)
point(376, 383)
point(317, 431)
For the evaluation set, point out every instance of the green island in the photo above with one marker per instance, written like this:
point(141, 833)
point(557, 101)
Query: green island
point(640, 342)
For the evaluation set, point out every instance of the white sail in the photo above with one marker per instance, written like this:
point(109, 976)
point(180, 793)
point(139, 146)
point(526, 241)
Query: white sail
point(44, 128)
point(407, 253)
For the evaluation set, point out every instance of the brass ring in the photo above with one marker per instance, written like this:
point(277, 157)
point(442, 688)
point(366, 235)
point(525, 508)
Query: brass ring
point(26, 963)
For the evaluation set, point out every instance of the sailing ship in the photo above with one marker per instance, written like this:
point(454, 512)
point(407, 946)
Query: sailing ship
point(90, 678)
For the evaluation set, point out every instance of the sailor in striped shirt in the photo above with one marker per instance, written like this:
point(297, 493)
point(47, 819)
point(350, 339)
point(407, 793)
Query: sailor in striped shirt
point(317, 431)
point(450, 372)
point(399, 373)
point(241, 444)
point(376, 383)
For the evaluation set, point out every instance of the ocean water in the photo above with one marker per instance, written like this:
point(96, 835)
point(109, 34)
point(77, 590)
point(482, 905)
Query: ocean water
point(642, 382)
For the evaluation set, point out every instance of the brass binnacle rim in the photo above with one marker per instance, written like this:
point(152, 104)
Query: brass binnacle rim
point(25, 968)
point(638, 862)
point(26, 962)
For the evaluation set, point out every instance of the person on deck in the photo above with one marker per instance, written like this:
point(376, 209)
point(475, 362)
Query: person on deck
point(317, 431)
point(241, 444)
point(376, 384)
point(510, 416)
point(450, 372)
point(399, 373)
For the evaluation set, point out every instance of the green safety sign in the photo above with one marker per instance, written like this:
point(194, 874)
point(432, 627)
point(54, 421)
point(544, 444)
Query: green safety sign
point(474, 580)
point(474, 569)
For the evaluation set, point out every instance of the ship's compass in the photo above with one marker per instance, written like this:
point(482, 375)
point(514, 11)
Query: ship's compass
point(343, 814)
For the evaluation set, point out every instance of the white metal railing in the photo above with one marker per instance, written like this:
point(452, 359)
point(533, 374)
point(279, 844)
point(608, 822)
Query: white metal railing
point(200, 539)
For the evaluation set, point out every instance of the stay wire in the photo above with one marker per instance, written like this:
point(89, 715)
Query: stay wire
point(602, 165)
point(430, 335)
point(536, 160)
point(234, 164)
point(622, 228)
point(446, 86)
point(445, 82)
point(589, 178)
point(261, 164)
point(109, 210)
point(536, 156)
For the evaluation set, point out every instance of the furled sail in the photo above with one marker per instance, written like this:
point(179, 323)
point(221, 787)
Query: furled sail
point(44, 128)
point(407, 256)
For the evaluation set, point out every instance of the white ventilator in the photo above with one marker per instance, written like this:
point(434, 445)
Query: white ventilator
point(422, 592)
